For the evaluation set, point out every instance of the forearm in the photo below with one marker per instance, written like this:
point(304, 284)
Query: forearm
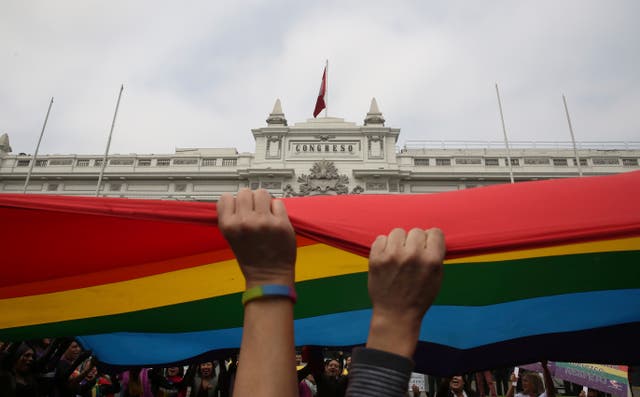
point(511, 391)
point(267, 348)
point(549, 387)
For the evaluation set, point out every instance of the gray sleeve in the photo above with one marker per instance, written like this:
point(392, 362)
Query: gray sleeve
point(377, 373)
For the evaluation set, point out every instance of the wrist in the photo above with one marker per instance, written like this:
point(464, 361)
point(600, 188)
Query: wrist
point(281, 279)
point(394, 334)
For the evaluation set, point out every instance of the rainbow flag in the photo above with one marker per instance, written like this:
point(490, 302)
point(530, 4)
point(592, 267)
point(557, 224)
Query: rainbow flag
point(536, 270)
point(611, 379)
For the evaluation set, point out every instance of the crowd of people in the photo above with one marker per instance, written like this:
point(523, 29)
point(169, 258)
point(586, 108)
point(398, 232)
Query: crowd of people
point(405, 273)
point(60, 368)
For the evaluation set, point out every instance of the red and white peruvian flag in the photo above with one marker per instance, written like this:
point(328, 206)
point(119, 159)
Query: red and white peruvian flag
point(323, 90)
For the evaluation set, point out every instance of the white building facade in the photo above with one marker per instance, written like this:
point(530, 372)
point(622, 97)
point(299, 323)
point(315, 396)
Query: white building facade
point(327, 155)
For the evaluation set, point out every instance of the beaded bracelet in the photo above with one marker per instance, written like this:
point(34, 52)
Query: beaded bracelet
point(268, 290)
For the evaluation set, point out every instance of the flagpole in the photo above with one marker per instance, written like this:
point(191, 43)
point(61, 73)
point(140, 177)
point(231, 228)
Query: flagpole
point(326, 88)
point(573, 139)
point(504, 131)
point(35, 154)
point(106, 152)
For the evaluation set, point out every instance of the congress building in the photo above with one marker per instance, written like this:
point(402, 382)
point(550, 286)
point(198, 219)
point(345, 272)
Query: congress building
point(326, 155)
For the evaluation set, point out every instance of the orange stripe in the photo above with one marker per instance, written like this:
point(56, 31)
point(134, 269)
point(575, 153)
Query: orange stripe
point(123, 273)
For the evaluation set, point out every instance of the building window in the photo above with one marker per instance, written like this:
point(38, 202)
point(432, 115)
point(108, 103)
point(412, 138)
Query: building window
point(229, 162)
point(443, 162)
point(491, 162)
point(630, 162)
point(41, 163)
point(52, 187)
point(121, 162)
point(209, 162)
point(144, 163)
point(376, 186)
point(393, 186)
point(115, 187)
point(560, 162)
point(605, 161)
point(185, 161)
point(97, 163)
point(583, 162)
point(469, 161)
point(255, 185)
point(536, 161)
point(82, 163)
point(515, 162)
point(272, 185)
point(23, 163)
point(61, 162)
point(181, 187)
point(421, 162)
point(163, 162)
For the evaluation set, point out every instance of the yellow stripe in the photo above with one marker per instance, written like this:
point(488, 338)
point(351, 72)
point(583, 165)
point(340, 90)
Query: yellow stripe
point(222, 278)
point(201, 282)
point(623, 244)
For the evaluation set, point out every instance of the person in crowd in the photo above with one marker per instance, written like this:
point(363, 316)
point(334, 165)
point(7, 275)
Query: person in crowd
point(454, 387)
point(484, 379)
point(327, 373)
point(347, 365)
point(532, 385)
point(40, 346)
point(136, 382)
point(211, 380)
point(405, 274)
point(46, 362)
point(501, 375)
point(89, 383)
point(307, 387)
point(107, 385)
point(172, 381)
point(75, 372)
point(16, 372)
point(232, 369)
point(433, 384)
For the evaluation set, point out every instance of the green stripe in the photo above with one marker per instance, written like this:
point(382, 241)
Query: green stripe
point(470, 284)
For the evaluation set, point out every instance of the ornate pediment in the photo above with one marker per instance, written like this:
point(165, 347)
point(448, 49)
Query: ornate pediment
point(323, 179)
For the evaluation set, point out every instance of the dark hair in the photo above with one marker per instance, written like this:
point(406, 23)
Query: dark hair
point(328, 360)
point(180, 370)
point(445, 391)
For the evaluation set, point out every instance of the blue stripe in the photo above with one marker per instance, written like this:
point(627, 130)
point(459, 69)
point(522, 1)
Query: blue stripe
point(460, 327)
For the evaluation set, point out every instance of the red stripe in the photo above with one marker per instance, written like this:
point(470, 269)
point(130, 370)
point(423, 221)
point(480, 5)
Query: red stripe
point(54, 237)
point(481, 220)
point(122, 273)
point(50, 237)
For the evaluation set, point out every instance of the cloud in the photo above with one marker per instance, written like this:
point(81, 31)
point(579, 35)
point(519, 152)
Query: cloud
point(202, 74)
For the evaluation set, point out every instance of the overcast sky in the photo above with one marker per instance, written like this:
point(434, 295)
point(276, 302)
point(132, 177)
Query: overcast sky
point(203, 73)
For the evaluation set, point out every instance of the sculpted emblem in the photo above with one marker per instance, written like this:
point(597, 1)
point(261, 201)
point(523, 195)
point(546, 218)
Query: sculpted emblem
point(323, 179)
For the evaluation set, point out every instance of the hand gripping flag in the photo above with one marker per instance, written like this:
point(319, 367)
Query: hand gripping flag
point(320, 104)
point(535, 270)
